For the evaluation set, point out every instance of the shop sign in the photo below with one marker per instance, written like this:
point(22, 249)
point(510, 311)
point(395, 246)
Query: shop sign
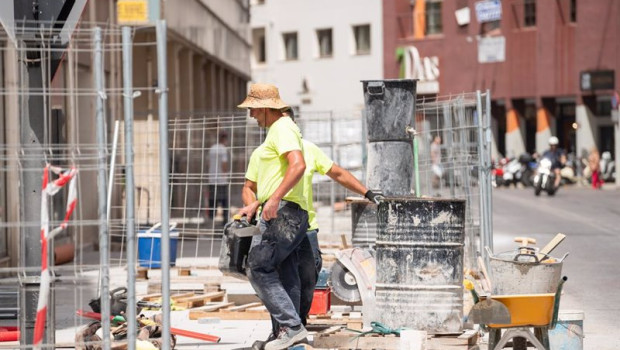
point(424, 69)
point(598, 80)
point(137, 12)
point(491, 49)
point(488, 10)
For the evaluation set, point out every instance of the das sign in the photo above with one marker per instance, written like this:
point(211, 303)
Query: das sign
point(425, 69)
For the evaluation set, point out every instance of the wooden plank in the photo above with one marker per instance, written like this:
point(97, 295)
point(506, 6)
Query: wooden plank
point(142, 274)
point(468, 338)
point(242, 307)
point(184, 272)
point(200, 300)
point(331, 330)
point(343, 339)
point(204, 297)
point(195, 315)
point(150, 297)
point(343, 239)
point(348, 341)
point(261, 308)
point(178, 296)
point(213, 306)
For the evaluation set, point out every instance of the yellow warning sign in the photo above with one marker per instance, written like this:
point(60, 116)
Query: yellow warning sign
point(132, 11)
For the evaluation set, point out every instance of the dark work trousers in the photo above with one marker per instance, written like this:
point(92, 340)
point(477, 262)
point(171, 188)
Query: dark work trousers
point(310, 264)
point(218, 194)
point(274, 263)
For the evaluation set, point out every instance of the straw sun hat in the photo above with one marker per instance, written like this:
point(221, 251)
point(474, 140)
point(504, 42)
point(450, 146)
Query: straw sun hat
point(263, 96)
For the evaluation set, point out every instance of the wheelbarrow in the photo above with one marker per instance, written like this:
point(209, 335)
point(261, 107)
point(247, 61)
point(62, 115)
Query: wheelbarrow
point(538, 311)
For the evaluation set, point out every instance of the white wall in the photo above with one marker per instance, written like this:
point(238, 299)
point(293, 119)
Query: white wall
point(334, 82)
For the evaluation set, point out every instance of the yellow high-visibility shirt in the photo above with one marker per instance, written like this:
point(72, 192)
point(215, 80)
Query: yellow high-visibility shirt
point(268, 163)
point(316, 161)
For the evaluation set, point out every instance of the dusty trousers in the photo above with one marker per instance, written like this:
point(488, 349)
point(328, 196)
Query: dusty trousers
point(274, 263)
point(309, 267)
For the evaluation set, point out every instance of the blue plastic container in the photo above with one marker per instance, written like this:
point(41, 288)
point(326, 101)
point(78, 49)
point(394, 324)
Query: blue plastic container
point(568, 333)
point(149, 247)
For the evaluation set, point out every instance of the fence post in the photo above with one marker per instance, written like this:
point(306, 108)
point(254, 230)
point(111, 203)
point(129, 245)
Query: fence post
point(104, 250)
point(481, 176)
point(164, 173)
point(129, 189)
point(487, 142)
point(332, 194)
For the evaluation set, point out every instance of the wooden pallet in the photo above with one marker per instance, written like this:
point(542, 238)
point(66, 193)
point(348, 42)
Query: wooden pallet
point(228, 311)
point(143, 272)
point(189, 300)
point(337, 338)
point(186, 284)
point(348, 320)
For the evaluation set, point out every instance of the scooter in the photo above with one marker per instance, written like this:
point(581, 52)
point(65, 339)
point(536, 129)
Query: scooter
point(512, 172)
point(608, 167)
point(544, 180)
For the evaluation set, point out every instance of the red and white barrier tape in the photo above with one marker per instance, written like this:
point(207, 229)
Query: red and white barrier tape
point(49, 189)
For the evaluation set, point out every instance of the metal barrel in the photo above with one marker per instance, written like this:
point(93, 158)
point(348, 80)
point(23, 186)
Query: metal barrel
point(390, 167)
point(390, 108)
point(419, 254)
point(363, 223)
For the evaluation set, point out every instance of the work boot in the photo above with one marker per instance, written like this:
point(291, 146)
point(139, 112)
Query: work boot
point(287, 337)
point(260, 344)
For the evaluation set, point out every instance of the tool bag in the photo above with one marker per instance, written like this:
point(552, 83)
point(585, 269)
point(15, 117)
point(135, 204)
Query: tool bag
point(118, 302)
point(235, 246)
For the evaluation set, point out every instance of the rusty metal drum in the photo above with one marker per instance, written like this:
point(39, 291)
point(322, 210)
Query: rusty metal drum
point(419, 254)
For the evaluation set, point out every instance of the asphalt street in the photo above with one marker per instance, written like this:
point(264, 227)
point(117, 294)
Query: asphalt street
point(591, 221)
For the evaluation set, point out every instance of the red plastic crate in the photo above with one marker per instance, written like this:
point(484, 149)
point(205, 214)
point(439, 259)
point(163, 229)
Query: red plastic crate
point(321, 302)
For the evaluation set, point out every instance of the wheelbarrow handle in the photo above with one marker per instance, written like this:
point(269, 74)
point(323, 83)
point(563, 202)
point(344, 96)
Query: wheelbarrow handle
point(556, 303)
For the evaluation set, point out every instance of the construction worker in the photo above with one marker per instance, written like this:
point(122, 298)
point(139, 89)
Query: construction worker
point(316, 162)
point(273, 263)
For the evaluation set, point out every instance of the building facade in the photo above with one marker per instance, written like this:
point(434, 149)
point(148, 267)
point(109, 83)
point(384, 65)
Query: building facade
point(552, 67)
point(208, 70)
point(317, 52)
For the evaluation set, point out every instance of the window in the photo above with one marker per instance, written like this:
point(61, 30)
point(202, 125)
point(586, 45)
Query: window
point(324, 37)
point(258, 45)
point(433, 17)
point(573, 11)
point(529, 13)
point(290, 46)
point(603, 106)
point(362, 39)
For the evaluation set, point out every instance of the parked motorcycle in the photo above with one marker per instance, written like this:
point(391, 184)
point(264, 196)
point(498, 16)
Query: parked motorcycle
point(519, 170)
point(545, 178)
point(607, 167)
point(498, 173)
point(512, 172)
point(528, 169)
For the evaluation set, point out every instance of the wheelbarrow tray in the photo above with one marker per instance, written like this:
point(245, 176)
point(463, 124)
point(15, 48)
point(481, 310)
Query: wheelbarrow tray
point(527, 309)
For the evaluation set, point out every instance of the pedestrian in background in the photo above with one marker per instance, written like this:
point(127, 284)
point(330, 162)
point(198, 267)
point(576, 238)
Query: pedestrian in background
point(436, 161)
point(219, 168)
point(594, 163)
point(276, 186)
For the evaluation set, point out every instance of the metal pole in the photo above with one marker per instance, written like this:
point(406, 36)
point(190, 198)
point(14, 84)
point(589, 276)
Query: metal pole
point(104, 251)
point(32, 164)
point(481, 176)
point(129, 189)
point(448, 136)
point(112, 166)
point(332, 193)
point(487, 169)
point(164, 171)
